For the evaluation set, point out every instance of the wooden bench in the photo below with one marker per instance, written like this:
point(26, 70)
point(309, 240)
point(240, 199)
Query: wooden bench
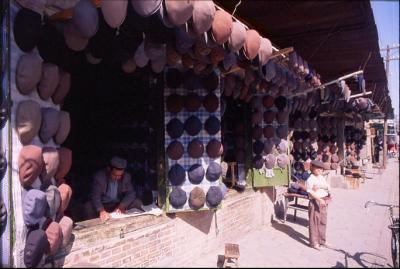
point(232, 254)
point(295, 206)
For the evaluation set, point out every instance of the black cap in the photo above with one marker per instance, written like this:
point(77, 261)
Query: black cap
point(176, 175)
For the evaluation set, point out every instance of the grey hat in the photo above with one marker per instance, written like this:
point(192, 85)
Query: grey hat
point(193, 125)
point(50, 123)
point(28, 120)
point(214, 196)
point(177, 197)
point(85, 18)
point(176, 175)
point(28, 73)
point(49, 81)
point(282, 146)
point(317, 164)
point(51, 159)
point(282, 160)
point(53, 198)
point(196, 173)
point(268, 146)
point(175, 128)
point(258, 162)
point(212, 125)
point(118, 162)
point(270, 160)
point(214, 171)
point(34, 206)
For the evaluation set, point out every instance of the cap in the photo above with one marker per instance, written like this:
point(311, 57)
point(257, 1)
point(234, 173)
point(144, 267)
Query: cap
point(214, 171)
point(176, 175)
point(66, 194)
point(196, 173)
point(177, 197)
point(192, 102)
point(64, 127)
point(317, 164)
point(195, 148)
point(36, 245)
point(51, 161)
point(50, 124)
point(34, 206)
point(221, 26)
point(211, 102)
point(214, 196)
point(175, 150)
point(197, 198)
point(28, 73)
point(212, 125)
point(214, 148)
point(30, 164)
point(193, 125)
point(175, 128)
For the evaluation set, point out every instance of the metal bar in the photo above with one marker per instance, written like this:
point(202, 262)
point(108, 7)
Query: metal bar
point(360, 94)
point(395, 47)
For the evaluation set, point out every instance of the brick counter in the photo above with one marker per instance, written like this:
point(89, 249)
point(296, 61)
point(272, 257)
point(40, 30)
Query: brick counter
point(171, 240)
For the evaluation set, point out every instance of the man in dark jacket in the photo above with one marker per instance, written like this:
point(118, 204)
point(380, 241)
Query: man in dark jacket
point(112, 190)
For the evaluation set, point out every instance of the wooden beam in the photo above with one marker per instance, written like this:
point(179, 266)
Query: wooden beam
point(281, 52)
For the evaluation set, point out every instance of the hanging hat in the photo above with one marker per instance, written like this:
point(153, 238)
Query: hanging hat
point(268, 101)
point(36, 245)
point(50, 124)
point(62, 88)
point(221, 26)
point(128, 66)
point(193, 125)
point(237, 37)
point(210, 82)
point(179, 12)
point(196, 173)
point(269, 131)
point(28, 73)
point(282, 131)
point(53, 198)
point(176, 175)
point(66, 194)
point(175, 128)
point(27, 27)
point(256, 117)
point(34, 206)
point(177, 197)
point(197, 198)
point(175, 150)
point(195, 148)
point(66, 224)
point(298, 166)
point(212, 125)
point(203, 15)
point(280, 102)
point(211, 102)
point(85, 18)
point(192, 102)
point(214, 196)
point(258, 147)
point(174, 78)
point(30, 164)
point(335, 158)
point(269, 116)
point(296, 155)
point(265, 51)
point(269, 70)
point(73, 38)
point(214, 148)
point(214, 171)
point(183, 42)
point(282, 117)
point(51, 161)
point(173, 57)
point(64, 127)
point(51, 45)
point(257, 132)
point(282, 160)
point(140, 56)
point(49, 81)
point(114, 12)
point(282, 146)
point(28, 120)
point(252, 44)
point(270, 160)
point(256, 102)
point(54, 237)
point(333, 149)
point(174, 103)
point(268, 146)
point(258, 162)
point(65, 156)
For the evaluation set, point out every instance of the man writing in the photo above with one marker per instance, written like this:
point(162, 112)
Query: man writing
point(112, 190)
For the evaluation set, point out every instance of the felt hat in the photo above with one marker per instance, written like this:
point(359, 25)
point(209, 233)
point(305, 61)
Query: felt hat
point(212, 125)
point(27, 28)
point(298, 166)
point(282, 146)
point(28, 120)
point(197, 198)
point(203, 15)
point(51, 161)
point(252, 44)
point(177, 197)
point(257, 132)
point(174, 103)
point(317, 164)
point(210, 82)
point(214, 171)
point(65, 156)
point(173, 57)
point(34, 206)
point(174, 78)
point(50, 124)
point(49, 80)
point(256, 102)
point(237, 37)
point(270, 160)
point(128, 66)
point(192, 102)
point(66, 194)
point(114, 12)
point(269, 70)
point(258, 147)
point(195, 148)
point(193, 125)
point(282, 117)
point(256, 117)
point(28, 73)
point(282, 131)
point(269, 131)
point(54, 237)
point(62, 88)
point(30, 164)
point(85, 18)
point(265, 51)
point(211, 102)
point(268, 101)
point(179, 12)
point(269, 116)
point(36, 245)
point(175, 128)
point(335, 158)
point(66, 225)
point(196, 173)
point(140, 56)
point(280, 102)
point(221, 26)
point(74, 38)
point(282, 160)
point(258, 162)
point(175, 150)
point(214, 196)
point(214, 148)
point(268, 146)
point(64, 127)
point(53, 198)
point(176, 175)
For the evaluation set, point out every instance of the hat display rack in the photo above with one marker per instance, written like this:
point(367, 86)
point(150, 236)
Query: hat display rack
point(38, 88)
point(355, 139)
point(327, 143)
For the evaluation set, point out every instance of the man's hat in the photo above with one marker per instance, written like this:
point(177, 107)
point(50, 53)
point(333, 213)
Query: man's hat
point(50, 124)
point(66, 194)
point(317, 164)
point(238, 37)
point(214, 148)
point(212, 125)
point(177, 197)
point(193, 125)
point(28, 73)
point(54, 236)
point(258, 162)
point(74, 38)
point(28, 120)
point(269, 116)
point(265, 51)
point(176, 175)
point(85, 18)
point(192, 102)
point(175, 150)
point(252, 44)
point(282, 146)
point(214, 171)
point(118, 162)
point(196, 173)
point(270, 160)
point(53, 198)
point(27, 27)
point(36, 245)
point(211, 102)
point(66, 224)
point(221, 26)
point(30, 164)
point(49, 81)
point(64, 166)
point(174, 103)
point(51, 161)
point(195, 148)
point(64, 127)
point(282, 160)
point(214, 196)
point(179, 12)
point(197, 198)
point(62, 88)
point(175, 128)
point(203, 16)
point(34, 206)
point(268, 101)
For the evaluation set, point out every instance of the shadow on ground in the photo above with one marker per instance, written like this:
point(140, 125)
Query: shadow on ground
point(282, 227)
point(363, 259)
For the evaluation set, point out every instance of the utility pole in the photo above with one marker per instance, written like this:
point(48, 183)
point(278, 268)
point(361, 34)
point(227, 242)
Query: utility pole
point(385, 127)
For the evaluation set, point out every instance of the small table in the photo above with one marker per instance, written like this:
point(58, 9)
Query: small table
point(232, 255)
point(296, 206)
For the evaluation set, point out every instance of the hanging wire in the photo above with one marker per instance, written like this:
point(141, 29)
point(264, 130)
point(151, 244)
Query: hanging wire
point(238, 4)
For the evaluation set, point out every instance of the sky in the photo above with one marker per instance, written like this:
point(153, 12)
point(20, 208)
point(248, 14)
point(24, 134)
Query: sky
point(386, 15)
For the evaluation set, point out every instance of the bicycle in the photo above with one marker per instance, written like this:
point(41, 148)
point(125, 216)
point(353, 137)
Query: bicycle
point(394, 227)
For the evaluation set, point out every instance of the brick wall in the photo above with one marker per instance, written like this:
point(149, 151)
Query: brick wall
point(169, 240)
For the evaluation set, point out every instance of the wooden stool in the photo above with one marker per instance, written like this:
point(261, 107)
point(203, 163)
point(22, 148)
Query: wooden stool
point(231, 255)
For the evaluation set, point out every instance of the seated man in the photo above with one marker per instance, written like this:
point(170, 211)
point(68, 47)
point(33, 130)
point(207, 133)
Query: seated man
point(112, 191)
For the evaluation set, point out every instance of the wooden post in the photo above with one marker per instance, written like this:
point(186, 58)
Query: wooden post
point(340, 138)
point(385, 127)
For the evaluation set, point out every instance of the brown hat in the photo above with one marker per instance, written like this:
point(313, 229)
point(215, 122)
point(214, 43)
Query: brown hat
point(256, 117)
point(73, 38)
point(192, 102)
point(129, 66)
point(50, 124)
point(265, 51)
point(29, 119)
point(28, 73)
point(179, 12)
point(49, 81)
point(66, 224)
point(214, 148)
point(269, 116)
point(51, 161)
point(62, 88)
point(114, 12)
point(173, 57)
point(282, 117)
point(268, 101)
point(269, 131)
point(252, 44)
point(282, 131)
point(54, 236)
point(237, 37)
point(64, 127)
point(197, 198)
point(175, 150)
point(30, 164)
point(174, 103)
point(211, 102)
point(195, 148)
point(221, 26)
point(65, 156)
point(257, 132)
point(268, 146)
point(203, 15)
point(66, 194)
point(217, 55)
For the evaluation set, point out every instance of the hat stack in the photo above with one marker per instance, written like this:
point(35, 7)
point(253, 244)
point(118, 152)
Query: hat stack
point(355, 139)
point(192, 138)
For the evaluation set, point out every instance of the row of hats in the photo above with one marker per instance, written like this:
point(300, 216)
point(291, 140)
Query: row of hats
point(32, 120)
point(195, 173)
point(46, 163)
point(47, 78)
point(197, 198)
point(191, 102)
point(195, 149)
point(192, 126)
point(55, 231)
point(176, 78)
point(301, 67)
point(270, 161)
